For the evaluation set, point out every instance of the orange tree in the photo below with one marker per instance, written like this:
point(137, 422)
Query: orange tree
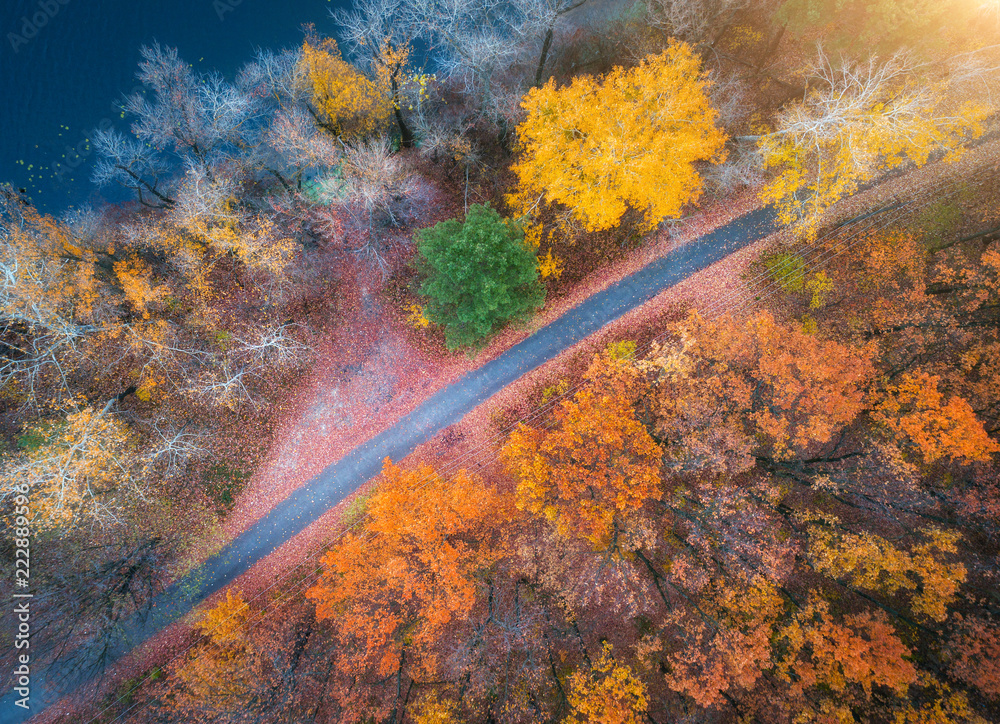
point(597, 465)
point(408, 577)
point(729, 388)
point(631, 139)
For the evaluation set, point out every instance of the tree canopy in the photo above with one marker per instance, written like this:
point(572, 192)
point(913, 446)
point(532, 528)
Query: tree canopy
point(629, 140)
point(477, 275)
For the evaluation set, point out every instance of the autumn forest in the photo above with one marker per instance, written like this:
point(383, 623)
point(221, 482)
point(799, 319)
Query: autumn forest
point(769, 494)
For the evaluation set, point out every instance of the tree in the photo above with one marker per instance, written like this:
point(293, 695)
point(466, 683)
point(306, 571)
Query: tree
point(871, 562)
point(81, 470)
point(95, 592)
point(915, 412)
point(727, 388)
point(477, 275)
point(129, 163)
point(381, 40)
point(343, 101)
point(475, 43)
point(937, 704)
point(974, 653)
point(49, 298)
point(407, 579)
point(219, 676)
point(484, 49)
point(714, 641)
point(856, 121)
point(202, 118)
point(631, 139)
point(610, 693)
point(545, 15)
point(590, 473)
point(823, 654)
point(692, 20)
point(372, 186)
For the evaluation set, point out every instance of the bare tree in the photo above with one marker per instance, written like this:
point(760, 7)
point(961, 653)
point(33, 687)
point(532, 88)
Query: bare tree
point(373, 191)
point(300, 145)
point(173, 447)
point(204, 198)
point(695, 21)
point(271, 76)
point(91, 596)
point(742, 169)
point(483, 46)
point(372, 183)
point(131, 164)
point(227, 379)
point(543, 16)
point(475, 42)
point(202, 117)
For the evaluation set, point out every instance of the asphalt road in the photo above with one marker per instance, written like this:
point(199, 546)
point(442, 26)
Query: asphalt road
point(445, 408)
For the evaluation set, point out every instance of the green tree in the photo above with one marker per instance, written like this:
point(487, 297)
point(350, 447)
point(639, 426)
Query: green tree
point(477, 275)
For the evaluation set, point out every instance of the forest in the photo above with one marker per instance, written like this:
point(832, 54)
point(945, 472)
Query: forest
point(779, 506)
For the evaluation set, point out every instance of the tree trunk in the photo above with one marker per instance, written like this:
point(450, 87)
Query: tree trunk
point(405, 134)
point(544, 56)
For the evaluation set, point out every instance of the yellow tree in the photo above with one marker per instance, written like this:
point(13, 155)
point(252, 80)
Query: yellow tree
point(857, 121)
point(80, 468)
point(871, 562)
point(219, 675)
point(938, 704)
point(379, 38)
point(343, 101)
point(610, 693)
point(51, 297)
point(631, 139)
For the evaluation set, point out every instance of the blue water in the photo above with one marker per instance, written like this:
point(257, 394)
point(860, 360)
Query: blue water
point(65, 64)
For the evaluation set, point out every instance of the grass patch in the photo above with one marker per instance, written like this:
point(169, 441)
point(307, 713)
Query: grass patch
point(223, 482)
point(622, 350)
point(788, 270)
point(357, 508)
point(32, 440)
point(936, 224)
point(124, 694)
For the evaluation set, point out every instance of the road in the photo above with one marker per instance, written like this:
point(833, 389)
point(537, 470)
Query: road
point(448, 406)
